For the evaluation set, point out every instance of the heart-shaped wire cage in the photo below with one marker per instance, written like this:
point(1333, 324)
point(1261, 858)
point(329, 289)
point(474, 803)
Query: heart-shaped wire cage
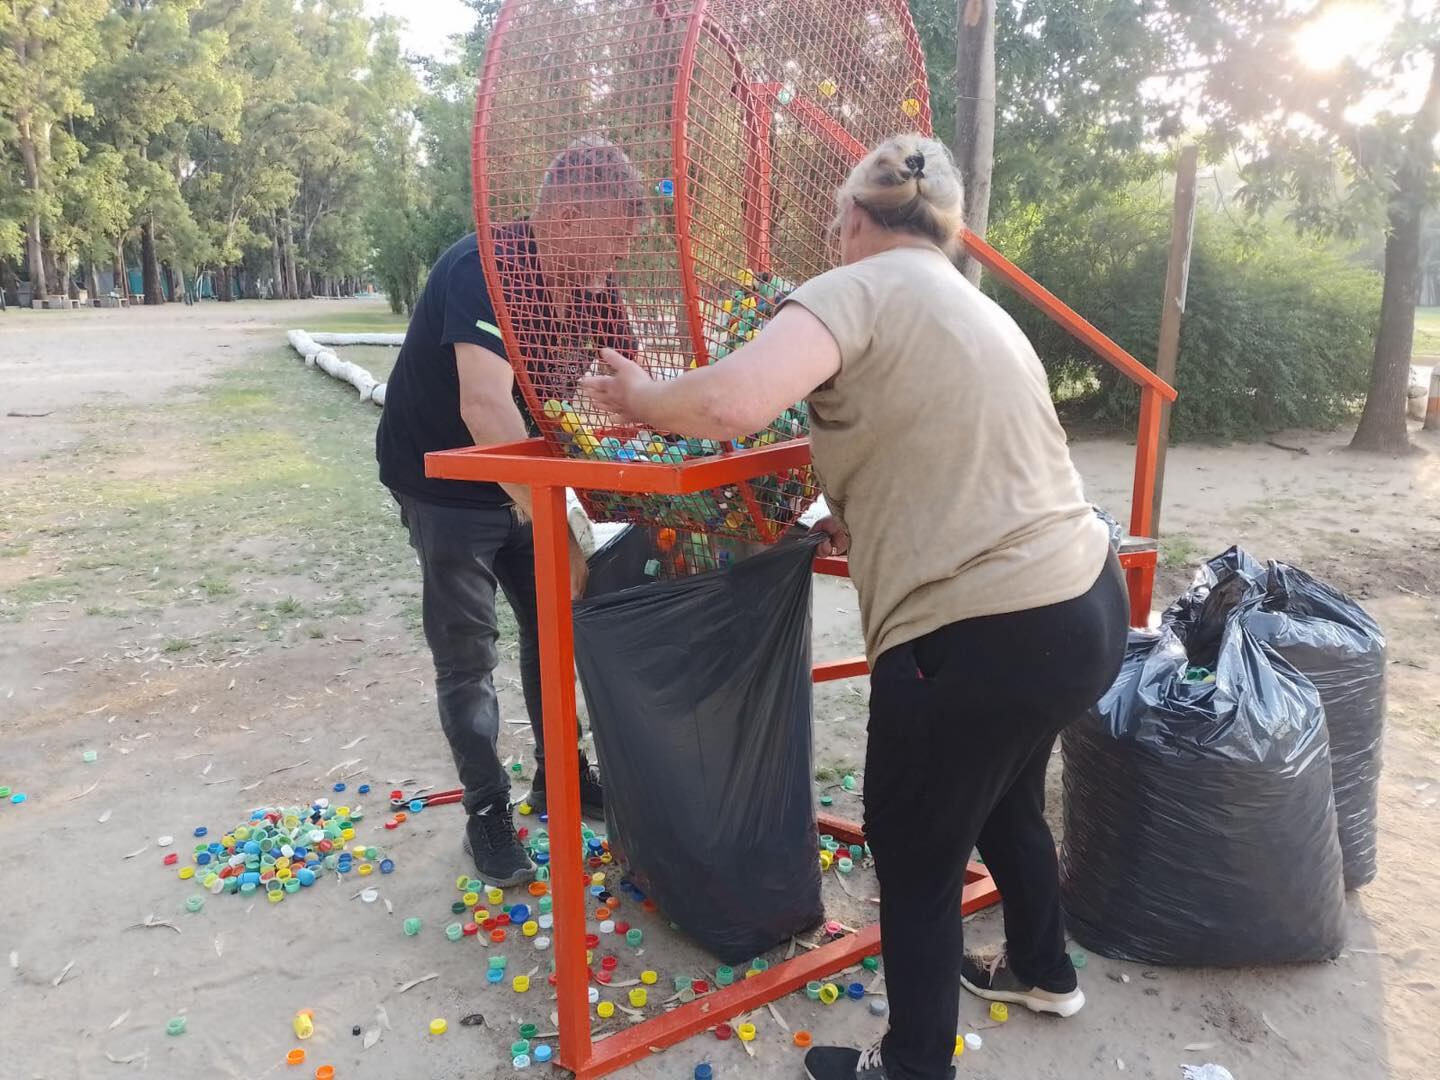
point(738, 119)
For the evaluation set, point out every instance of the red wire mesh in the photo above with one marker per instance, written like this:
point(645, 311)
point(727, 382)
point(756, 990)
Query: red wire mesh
point(743, 117)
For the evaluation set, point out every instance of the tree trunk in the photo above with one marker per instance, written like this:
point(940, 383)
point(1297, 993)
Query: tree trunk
point(34, 248)
point(122, 279)
point(9, 293)
point(150, 264)
point(222, 286)
point(1382, 427)
point(94, 282)
point(277, 291)
point(292, 281)
point(975, 114)
point(59, 281)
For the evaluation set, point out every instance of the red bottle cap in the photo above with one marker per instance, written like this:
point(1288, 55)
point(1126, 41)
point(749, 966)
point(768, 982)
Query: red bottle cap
point(397, 794)
point(722, 1031)
point(622, 928)
point(490, 924)
point(502, 920)
point(470, 929)
point(497, 936)
point(700, 986)
point(603, 977)
point(609, 963)
point(592, 941)
point(171, 859)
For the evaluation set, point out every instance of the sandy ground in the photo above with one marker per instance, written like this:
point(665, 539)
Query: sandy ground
point(272, 715)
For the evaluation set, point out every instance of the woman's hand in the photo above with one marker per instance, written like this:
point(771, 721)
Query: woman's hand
point(837, 540)
point(623, 393)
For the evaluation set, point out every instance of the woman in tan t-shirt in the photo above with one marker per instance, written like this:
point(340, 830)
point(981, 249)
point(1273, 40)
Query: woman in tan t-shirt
point(994, 612)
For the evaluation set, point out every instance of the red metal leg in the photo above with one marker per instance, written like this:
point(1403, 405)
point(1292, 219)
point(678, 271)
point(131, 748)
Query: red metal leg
point(562, 772)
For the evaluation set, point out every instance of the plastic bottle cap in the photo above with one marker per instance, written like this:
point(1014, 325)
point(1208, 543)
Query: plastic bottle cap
point(999, 1012)
point(812, 990)
point(1077, 959)
point(703, 1072)
point(723, 1032)
point(295, 1057)
point(470, 899)
point(412, 927)
point(634, 936)
point(438, 1026)
point(878, 1006)
point(542, 943)
point(829, 994)
point(175, 1026)
point(746, 1032)
point(593, 994)
point(855, 991)
point(325, 1072)
point(871, 963)
point(803, 1039)
point(649, 978)
point(521, 1047)
point(495, 896)
point(521, 983)
point(959, 1045)
point(605, 1010)
point(973, 1041)
point(194, 903)
point(541, 1053)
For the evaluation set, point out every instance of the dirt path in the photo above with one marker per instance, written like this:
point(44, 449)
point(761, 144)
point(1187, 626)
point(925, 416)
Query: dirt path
point(200, 582)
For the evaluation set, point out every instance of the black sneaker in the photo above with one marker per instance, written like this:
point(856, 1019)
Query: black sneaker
point(592, 795)
point(490, 840)
point(846, 1063)
point(990, 977)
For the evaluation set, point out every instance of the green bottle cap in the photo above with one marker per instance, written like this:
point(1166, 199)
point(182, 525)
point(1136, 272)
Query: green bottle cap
point(546, 903)
point(454, 931)
point(4, 792)
point(194, 903)
point(457, 907)
point(89, 757)
point(175, 1026)
point(724, 976)
point(412, 927)
point(871, 963)
point(634, 936)
point(827, 800)
point(528, 1031)
point(759, 964)
point(521, 1047)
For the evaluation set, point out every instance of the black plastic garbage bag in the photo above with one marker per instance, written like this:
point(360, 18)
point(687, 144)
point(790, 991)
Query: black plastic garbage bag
point(1334, 643)
point(1199, 818)
point(699, 696)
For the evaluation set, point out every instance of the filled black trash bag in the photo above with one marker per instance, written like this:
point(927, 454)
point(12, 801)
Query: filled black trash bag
point(1335, 644)
point(699, 697)
point(1199, 818)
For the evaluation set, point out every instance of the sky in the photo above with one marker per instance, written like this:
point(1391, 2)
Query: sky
point(429, 22)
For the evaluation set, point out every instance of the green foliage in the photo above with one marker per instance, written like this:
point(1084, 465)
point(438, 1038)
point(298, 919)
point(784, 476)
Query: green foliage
point(1073, 105)
point(1278, 331)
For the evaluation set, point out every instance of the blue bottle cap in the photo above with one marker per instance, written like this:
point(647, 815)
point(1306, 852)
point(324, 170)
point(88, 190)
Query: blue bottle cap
point(305, 876)
point(338, 787)
point(494, 975)
point(416, 806)
point(200, 830)
point(387, 866)
point(703, 1072)
point(855, 991)
point(363, 789)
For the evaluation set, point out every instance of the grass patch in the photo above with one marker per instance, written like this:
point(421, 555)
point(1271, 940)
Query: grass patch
point(269, 472)
point(379, 319)
point(1427, 335)
point(1178, 552)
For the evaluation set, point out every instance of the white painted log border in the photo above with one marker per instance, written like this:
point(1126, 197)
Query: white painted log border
point(313, 349)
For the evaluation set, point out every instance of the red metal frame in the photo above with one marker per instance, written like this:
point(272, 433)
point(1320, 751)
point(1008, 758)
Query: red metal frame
point(530, 463)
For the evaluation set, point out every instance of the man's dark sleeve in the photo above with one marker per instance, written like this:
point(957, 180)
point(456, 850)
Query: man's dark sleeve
point(612, 324)
point(469, 314)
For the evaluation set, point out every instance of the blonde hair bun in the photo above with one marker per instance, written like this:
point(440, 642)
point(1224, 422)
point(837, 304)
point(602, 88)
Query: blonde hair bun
point(909, 183)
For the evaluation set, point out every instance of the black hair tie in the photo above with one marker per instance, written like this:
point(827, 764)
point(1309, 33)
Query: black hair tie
point(916, 164)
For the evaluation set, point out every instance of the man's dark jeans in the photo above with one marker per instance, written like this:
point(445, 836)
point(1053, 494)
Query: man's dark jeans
point(465, 553)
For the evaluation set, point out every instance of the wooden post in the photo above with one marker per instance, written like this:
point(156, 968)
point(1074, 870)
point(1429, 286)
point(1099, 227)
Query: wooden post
point(1177, 279)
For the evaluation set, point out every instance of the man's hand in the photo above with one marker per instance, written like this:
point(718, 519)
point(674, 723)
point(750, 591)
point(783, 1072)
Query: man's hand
point(579, 570)
point(837, 540)
point(622, 393)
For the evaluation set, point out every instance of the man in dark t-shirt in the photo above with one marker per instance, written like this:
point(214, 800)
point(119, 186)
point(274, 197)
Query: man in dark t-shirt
point(453, 386)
